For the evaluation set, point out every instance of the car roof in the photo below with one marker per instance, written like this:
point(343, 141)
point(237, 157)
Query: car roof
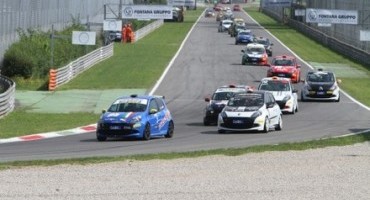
point(232, 88)
point(135, 96)
point(275, 78)
point(284, 57)
point(255, 45)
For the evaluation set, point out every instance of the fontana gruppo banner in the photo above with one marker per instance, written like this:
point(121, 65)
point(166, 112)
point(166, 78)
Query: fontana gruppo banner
point(147, 12)
point(331, 16)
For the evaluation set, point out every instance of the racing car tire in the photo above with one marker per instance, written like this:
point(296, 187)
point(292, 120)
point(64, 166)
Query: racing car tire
point(101, 138)
point(279, 126)
point(266, 126)
point(302, 98)
point(146, 133)
point(206, 122)
point(171, 128)
point(338, 100)
point(221, 131)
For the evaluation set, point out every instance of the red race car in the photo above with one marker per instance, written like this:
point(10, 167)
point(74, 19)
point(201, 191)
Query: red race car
point(285, 66)
point(236, 7)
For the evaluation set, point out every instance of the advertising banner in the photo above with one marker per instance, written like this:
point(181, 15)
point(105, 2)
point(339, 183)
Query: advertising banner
point(189, 3)
point(280, 3)
point(112, 25)
point(331, 16)
point(83, 38)
point(147, 12)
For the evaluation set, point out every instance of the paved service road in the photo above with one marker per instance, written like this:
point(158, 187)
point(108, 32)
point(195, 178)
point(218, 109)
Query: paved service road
point(208, 59)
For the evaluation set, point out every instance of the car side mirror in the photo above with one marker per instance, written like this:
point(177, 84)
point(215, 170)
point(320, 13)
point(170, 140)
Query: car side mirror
point(272, 44)
point(339, 81)
point(207, 99)
point(103, 111)
point(303, 80)
point(153, 111)
point(295, 91)
point(242, 50)
point(298, 66)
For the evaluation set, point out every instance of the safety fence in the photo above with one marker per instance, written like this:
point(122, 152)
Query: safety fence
point(147, 29)
point(60, 76)
point(7, 98)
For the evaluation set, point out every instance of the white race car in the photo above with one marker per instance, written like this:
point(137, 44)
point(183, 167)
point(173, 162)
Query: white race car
point(250, 111)
point(283, 91)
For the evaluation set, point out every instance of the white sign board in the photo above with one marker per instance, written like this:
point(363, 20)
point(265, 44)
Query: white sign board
point(147, 12)
point(112, 25)
point(300, 12)
point(83, 38)
point(279, 3)
point(190, 3)
point(365, 35)
point(331, 16)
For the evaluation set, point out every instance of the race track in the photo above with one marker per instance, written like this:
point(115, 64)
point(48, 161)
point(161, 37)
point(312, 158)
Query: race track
point(207, 60)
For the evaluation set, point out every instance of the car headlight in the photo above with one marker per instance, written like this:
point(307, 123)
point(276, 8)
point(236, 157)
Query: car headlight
point(333, 87)
point(308, 87)
point(256, 114)
point(136, 122)
point(209, 108)
point(223, 114)
point(287, 97)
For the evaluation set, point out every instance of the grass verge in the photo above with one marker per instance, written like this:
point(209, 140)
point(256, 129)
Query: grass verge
point(299, 146)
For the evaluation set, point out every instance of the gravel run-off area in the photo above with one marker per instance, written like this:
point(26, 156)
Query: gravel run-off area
point(327, 173)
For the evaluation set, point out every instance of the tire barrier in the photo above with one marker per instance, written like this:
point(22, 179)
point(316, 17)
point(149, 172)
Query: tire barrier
point(52, 79)
point(7, 97)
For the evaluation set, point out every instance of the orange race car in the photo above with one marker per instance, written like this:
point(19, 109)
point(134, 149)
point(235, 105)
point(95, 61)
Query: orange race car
point(285, 66)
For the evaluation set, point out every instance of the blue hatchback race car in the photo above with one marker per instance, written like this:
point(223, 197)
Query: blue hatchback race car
point(141, 117)
point(244, 37)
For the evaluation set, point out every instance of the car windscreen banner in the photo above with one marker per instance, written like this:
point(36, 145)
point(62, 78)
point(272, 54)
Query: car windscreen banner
point(190, 3)
point(147, 12)
point(331, 16)
point(276, 3)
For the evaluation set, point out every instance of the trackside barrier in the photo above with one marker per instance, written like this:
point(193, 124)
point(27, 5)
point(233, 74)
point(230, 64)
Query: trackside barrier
point(147, 29)
point(7, 98)
point(60, 76)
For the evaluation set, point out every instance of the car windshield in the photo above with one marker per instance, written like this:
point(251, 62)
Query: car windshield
point(128, 105)
point(247, 101)
point(244, 33)
point(282, 62)
point(226, 23)
point(220, 96)
point(275, 85)
point(320, 77)
point(255, 50)
point(264, 42)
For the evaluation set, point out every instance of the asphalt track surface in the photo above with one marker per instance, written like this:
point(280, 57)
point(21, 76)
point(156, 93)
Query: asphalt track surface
point(207, 60)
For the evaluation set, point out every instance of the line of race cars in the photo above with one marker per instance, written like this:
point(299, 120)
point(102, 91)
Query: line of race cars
point(242, 108)
point(231, 107)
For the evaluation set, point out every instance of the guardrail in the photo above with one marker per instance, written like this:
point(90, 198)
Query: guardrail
point(60, 76)
point(7, 98)
point(147, 29)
